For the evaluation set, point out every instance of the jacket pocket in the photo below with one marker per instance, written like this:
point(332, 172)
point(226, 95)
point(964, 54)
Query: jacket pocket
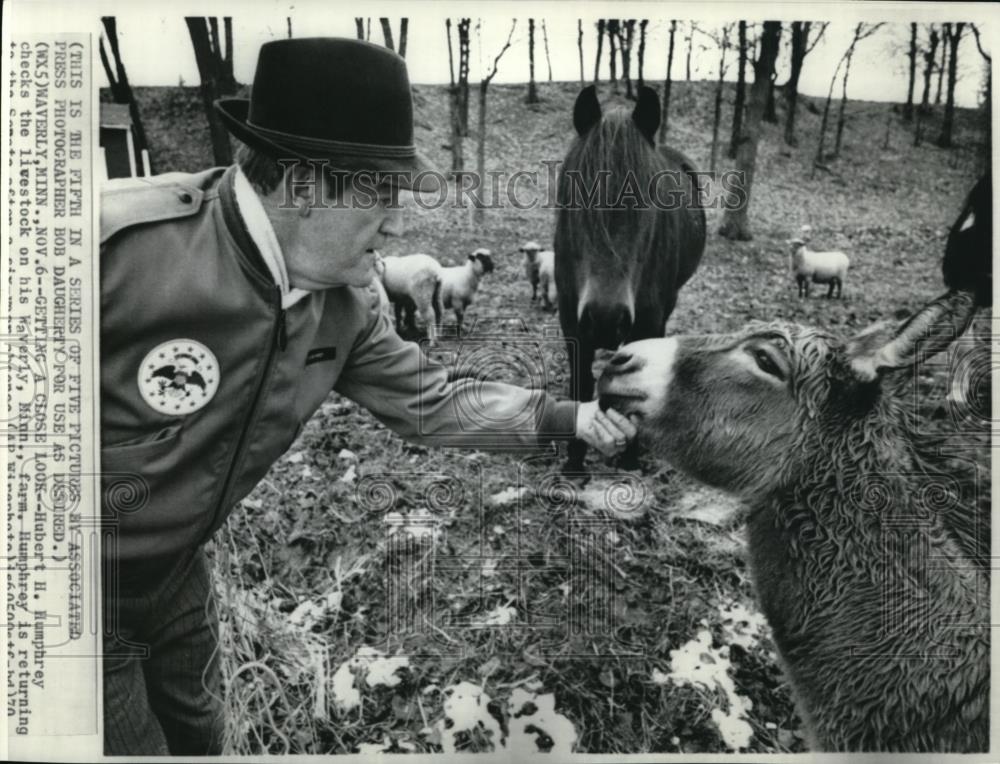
point(147, 448)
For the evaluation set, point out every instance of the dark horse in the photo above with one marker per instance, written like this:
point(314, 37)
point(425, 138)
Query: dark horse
point(630, 231)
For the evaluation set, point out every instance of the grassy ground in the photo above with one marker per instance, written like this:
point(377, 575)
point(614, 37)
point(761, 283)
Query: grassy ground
point(309, 569)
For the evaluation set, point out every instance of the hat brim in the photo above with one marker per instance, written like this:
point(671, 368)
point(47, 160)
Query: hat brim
point(415, 173)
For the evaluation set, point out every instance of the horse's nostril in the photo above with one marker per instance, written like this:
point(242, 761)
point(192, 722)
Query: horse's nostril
point(621, 359)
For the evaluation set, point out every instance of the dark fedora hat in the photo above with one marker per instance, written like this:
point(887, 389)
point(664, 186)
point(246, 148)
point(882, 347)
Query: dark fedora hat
point(336, 99)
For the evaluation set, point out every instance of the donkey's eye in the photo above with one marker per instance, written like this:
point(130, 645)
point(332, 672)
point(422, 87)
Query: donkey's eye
point(766, 364)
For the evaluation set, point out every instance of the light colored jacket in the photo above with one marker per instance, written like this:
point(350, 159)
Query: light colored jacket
point(177, 264)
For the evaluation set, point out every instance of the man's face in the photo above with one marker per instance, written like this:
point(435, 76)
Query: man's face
point(333, 242)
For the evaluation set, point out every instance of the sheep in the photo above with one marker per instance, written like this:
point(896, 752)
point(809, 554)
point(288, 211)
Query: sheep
point(413, 284)
point(818, 267)
point(540, 268)
point(867, 555)
point(460, 282)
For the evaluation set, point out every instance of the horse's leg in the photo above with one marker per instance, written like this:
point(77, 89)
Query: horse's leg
point(582, 381)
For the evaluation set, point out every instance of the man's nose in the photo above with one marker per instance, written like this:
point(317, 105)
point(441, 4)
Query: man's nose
point(393, 223)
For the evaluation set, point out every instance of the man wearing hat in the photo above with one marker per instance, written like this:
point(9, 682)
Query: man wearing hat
point(233, 301)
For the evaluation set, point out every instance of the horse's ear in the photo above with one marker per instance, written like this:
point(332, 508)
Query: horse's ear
point(587, 110)
point(931, 330)
point(646, 114)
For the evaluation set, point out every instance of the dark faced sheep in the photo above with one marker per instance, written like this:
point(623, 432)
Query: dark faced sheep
point(865, 556)
point(459, 283)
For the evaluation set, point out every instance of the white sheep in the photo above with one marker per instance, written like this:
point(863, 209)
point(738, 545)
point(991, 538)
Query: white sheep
point(818, 267)
point(413, 284)
point(540, 269)
point(460, 282)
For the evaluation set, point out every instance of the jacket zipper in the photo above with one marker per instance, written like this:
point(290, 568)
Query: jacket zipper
point(279, 341)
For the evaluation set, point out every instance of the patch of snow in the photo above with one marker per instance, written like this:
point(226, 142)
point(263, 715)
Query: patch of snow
point(371, 663)
point(465, 707)
point(559, 729)
point(499, 616)
point(509, 496)
point(698, 664)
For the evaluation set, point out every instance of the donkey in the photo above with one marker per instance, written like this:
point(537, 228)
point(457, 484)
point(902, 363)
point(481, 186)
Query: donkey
point(630, 231)
point(868, 569)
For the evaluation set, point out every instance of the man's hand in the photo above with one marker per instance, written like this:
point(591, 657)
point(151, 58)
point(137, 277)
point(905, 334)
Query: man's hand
point(607, 431)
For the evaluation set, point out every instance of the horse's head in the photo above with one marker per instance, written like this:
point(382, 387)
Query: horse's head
point(612, 231)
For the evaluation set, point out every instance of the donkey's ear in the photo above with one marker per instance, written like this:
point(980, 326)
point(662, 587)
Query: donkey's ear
point(587, 110)
point(932, 329)
point(646, 114)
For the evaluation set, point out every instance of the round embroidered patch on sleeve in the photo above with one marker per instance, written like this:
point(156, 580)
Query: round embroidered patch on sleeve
point(179, 377)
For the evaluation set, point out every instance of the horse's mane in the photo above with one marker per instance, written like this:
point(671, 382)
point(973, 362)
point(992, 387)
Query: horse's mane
point(616, 148)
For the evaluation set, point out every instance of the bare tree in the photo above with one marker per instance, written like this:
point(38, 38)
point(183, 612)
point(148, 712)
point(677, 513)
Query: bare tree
point(642, 49)
point(987, 93)
point(801, 48)
point(741, 84)
point(121, 90)
point(941, 70)
point(288, 19)
point(736, 222)
point(454, 110)
point(692, 28)
point(861, 31)
point(484, 84)
point(912, 57)
point(463, 75)
point(387, 32)
point(953, 36)
point(930, 57)
point(626, 33)
point(545, 41)
point(579, 46)
point(532, 87)
point(600, 45)
point(723, 43)
point(664, 117)
point(359, 23)
point(216, 71)
point(612, 29)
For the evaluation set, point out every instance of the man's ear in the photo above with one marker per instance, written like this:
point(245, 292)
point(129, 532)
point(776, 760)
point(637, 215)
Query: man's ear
point(931, 330)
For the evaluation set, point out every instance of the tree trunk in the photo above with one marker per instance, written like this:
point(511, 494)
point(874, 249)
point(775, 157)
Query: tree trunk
point(545, 42)
point(359, 22)
point(404, 28)
point(741, 84)
point(579, 46)
point(612, 30)
point(481, 148)
point(387, 32)
point(736, 223)
point(288, 20)
point(600, 45)
point(941, 69)
point(121, 90)
point(690, 39)
point(642, 50)
point(454, 120)
point(626, 33)
point(912, 56)
point(208, 70)
point(800, 40)
point(843, 105)
point(717, 115)
point(368, 30)
point(930, 56)
point(463, 75)
point(771, 112)
point(954, 37)
point(532, 87)
point(664, 117)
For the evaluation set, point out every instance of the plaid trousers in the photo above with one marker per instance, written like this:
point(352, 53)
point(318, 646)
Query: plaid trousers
point(161, 666)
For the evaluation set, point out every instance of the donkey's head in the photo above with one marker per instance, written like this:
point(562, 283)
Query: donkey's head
point(751, 412)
